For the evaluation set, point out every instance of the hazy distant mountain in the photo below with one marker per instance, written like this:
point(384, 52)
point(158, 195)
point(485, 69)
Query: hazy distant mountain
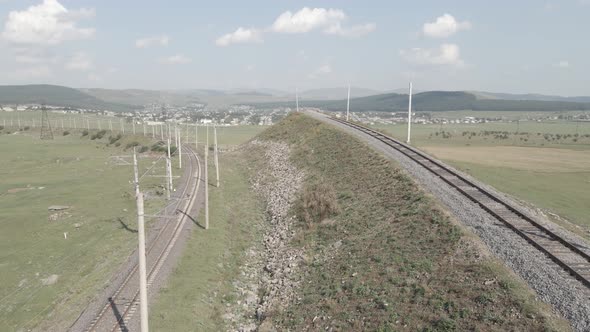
point(433, 101)
point(337, 93)
point(529, 96)
point(55, 95)
point(142, 97)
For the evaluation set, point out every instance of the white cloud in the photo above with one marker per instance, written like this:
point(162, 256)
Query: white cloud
point(320, 71)
point(176, 59)
point(444, 26)
point(353, 31)
point(48, 23)
point(562, 64)
point(159, 40)
point(307, 19)
point(34, 72)
point(34, 56)
point(445, 55)
point(330, 21)
point(94, 77)
point(79, 61)
point(241, 35)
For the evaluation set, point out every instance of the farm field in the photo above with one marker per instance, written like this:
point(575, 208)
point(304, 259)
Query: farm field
point(546, 164)
point(46, 278)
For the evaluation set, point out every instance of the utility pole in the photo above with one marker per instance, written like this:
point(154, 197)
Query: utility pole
point(207, 181)
point(162, 132)
point(153, 133)
point(216, 156)
point(143, 305)
point(98, 123)
point(143, 128)
point(18, 119)
point(122, 126)
point(348, 103)
point(409, 112)
point(133, 122)
point(75, 124)
point(196, 136)
point(168, 173)
point(179, 144)
point(110, 125)
point(33, 123)
point(297, 99)
point(62, 124)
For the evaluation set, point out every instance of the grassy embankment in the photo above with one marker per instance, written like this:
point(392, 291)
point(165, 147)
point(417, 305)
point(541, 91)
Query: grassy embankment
point(70, 170)
point(194, 297)
point(390, 258)
point(537, 166)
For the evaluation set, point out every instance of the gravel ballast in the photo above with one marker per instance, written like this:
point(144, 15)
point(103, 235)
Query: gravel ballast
point(268, 280)
point(551, 283)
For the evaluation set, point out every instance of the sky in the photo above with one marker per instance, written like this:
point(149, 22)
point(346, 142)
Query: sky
point(520, 46)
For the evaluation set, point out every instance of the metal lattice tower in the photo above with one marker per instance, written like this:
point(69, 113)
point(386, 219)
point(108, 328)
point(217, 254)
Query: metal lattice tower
point(46, 132)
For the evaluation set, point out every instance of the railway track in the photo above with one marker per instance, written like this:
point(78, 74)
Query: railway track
point(122, 305)
point(561, 251)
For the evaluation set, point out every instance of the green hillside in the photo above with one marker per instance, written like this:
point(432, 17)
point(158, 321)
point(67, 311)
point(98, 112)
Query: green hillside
point(433, 101)
point(57, 96)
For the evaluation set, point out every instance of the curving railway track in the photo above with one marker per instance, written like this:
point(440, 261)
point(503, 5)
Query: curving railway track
point(120, 307)
point(561, 251)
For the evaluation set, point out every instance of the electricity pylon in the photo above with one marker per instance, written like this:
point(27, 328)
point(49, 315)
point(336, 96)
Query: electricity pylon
point(46, 132)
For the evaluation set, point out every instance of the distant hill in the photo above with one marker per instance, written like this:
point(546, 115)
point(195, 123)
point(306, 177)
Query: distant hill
point(337, 93)
point(433, 101)
point(55, 95)
point(530, 96)
point(143, 97)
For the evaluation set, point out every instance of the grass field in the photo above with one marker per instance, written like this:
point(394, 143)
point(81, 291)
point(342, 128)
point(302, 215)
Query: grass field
point(195, 296)
point(78, 172)
point(550, 172)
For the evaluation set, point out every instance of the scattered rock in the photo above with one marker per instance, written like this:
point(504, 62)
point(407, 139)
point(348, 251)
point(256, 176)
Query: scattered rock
point(52, 279)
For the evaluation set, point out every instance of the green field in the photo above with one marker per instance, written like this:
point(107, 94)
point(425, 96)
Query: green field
point(100, 224)
point(535, 165)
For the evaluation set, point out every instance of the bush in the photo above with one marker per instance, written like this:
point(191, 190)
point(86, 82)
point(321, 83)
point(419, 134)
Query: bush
point(143, 149)
point(112, 139)
point(84, 132)
point(131, 145)
point(27, 127)
point(66, 133)
point(118, 144)
point(1, 127)
point(317, 202)
point(98, 135)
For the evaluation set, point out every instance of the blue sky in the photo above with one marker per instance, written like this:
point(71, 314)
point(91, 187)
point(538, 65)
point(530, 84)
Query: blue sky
point(504, 46)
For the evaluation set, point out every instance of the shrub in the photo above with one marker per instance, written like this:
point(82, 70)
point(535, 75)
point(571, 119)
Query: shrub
point(118, 144)
point(66, 133)
point(143, 149)
point(84, 132)
point(317, 202)
point(131, 145)
point(1, 127)
point(27, 127)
